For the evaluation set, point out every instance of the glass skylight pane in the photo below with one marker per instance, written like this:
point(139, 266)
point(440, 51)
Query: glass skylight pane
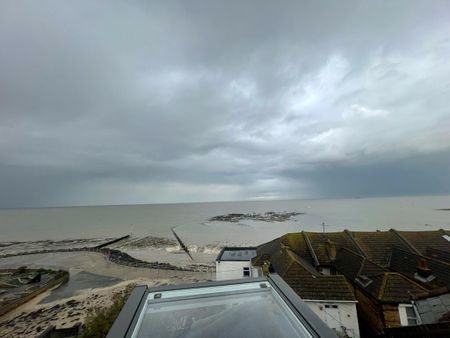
point(259, 313)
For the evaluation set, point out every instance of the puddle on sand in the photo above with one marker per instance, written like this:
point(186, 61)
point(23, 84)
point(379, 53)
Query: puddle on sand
point(80, 281)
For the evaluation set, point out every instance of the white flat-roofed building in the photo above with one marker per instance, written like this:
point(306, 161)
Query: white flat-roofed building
point(235, 263)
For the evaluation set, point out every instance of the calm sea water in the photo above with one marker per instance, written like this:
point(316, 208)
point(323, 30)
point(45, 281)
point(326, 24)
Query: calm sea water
point(403, 213)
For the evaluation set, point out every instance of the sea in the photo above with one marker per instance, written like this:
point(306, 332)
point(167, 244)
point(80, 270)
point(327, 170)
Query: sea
point(192, 222)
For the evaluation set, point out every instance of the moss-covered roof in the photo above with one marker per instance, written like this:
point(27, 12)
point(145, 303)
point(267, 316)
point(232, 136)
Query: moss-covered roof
point(308, 283)
point(377, 245)
point(380, 283)
point(423, 239)
point(406, 263)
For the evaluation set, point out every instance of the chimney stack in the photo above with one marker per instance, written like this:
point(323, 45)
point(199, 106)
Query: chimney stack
point(422, 268)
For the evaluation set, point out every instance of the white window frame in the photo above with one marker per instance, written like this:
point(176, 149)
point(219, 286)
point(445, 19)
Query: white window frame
point(404, 316)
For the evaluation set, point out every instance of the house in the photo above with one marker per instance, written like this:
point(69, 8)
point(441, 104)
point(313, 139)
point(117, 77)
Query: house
point(250, 307)
point(331, 298)
point(235, 263)
point(430, 272)
point(384, 297)
point(389, 271)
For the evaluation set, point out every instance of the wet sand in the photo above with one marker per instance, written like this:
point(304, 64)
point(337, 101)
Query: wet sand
point(34, 316)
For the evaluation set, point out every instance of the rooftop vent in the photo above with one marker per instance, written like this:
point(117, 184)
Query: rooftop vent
point(363, 280)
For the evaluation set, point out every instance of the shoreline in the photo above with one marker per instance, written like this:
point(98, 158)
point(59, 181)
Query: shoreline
point(32, 317)
point(139, 252)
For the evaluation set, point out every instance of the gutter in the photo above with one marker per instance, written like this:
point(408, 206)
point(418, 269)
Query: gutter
point(329, 301)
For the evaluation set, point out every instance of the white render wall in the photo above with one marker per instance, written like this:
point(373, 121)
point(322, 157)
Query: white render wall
point(233, 269)
point(347, 314)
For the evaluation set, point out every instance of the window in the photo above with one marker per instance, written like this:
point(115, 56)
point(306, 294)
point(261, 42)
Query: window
point(411, 316)
point(408, 315)
point(246, 272)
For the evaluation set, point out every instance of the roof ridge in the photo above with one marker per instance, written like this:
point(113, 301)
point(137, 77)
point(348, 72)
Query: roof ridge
point(423, 256)
point(352, 252)
point(365, 259)
point(282, 257)
point(443, 231)
point(310, 249)
point(355, 243)
point(302, 263)
point(404, 240)
point(382, 287)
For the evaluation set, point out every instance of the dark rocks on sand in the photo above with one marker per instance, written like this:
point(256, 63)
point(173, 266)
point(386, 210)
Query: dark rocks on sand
point(270, 216)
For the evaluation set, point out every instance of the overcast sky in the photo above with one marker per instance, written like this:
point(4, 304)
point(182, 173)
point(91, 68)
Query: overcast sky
point(117, 102)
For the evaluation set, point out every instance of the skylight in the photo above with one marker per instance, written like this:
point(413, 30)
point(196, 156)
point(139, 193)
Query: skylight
point(258, 307)
point(240, 310)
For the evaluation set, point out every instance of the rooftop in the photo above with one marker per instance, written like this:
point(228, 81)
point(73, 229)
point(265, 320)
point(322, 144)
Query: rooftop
point(236, 254)
point(406, 263)
point(379, 282)
point(264, 307)
point(420, 240)
point(376, 245)
point(318, 248)
point(308, 283)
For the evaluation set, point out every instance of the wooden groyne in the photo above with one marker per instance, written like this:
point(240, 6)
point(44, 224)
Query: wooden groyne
point(112, 242)
point(183, 246)
point(113, 255)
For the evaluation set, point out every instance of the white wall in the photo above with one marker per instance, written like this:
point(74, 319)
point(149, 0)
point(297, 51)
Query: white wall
point(346, 315)
point(233, 269)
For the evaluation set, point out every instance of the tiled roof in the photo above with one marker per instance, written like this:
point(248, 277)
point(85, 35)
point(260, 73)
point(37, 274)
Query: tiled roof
point(438, 254)
point(377, 245)
point(321, 288)
point(396, 288)
point(363, 258)
point(307, 282)
point(318, 241)
point(406, 263)
point(382, 284)
point(352, 265)
point(423, 239)
point(266, 250)
point(349, 263)
point(296, 242)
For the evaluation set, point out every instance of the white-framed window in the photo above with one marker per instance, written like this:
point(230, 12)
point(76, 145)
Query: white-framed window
point(408, 315)
point(246, 272)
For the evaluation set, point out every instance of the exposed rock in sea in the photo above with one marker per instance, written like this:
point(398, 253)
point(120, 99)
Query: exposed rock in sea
point(270, 216)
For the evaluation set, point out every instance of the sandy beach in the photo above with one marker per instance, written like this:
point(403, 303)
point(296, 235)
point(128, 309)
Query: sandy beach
point(36, 315)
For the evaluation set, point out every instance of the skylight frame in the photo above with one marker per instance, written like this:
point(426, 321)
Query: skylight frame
point(127, 321)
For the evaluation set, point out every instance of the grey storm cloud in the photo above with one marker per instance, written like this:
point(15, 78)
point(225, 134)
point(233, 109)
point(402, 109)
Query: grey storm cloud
point(108, 102)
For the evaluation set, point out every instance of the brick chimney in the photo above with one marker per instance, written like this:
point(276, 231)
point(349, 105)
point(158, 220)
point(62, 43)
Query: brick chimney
point(422, 268)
